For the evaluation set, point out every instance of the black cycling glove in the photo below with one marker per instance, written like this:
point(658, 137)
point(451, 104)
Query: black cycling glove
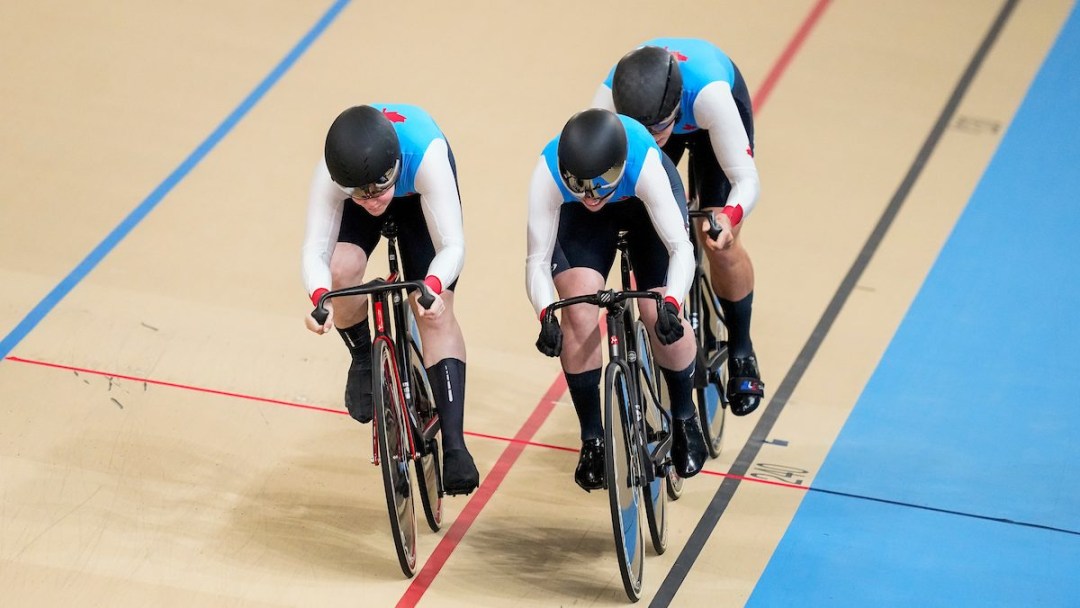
point(550, 340)
point(668, 324)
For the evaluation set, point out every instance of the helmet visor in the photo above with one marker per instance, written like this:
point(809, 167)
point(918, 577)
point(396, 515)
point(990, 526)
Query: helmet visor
point(598, 187)
point(374, 189)
point(667, 122)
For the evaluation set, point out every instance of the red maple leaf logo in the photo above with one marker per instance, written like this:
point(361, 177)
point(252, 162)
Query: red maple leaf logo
point(750, 152)
point(676, 54)
point(393, 116)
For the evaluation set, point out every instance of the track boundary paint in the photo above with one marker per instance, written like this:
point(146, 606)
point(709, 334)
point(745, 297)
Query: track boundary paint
point(696, 542)
point(148, 204)
point(526, 443)
point(491, 482)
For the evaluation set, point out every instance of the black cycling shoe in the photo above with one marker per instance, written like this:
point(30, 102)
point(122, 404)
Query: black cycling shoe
point(688, 451)
point(358, 392)
point(745, 388)
point(459, 472)
point(590, 467)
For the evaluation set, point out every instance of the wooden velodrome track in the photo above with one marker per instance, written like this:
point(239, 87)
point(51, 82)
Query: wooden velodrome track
point(171, 435)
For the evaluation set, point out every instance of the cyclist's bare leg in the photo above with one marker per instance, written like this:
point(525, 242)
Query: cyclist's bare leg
point(442, 337)
point(581, 360)
point(444, 359)
point(347, 266)
point(730, 270)
point(673, 356)
point(732, 278)
point(580, 323)
point(676, 360)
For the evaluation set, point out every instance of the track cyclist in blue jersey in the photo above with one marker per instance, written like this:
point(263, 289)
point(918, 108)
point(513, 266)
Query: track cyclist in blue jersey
point(691, 96)
point(604, 174)
point(380, 161)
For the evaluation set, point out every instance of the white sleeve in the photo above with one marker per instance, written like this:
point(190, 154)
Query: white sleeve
point(545, 205)
point(654, 189)
point(603, 99)
point(715, 110)
point(325, 204)
point(441, 205)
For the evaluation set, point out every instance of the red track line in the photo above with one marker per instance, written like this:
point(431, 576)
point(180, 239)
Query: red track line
point(789, 53)
point(793, 486)
point(512, 440)
point(175, 385)
point(483, 494)
point(528, 443)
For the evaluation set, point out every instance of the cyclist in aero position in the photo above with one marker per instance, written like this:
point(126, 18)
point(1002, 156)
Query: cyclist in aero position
point(691, 96)
point(381, 161)
point(604, 174)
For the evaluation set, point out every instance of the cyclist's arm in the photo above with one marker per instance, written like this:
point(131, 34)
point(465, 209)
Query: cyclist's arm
point(441, 205)
point(545, 205)
point(715, 110)
point(602, 99)
point(654, 189)
point(325, 204)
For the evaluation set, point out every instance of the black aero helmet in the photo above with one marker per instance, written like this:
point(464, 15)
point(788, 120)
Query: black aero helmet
point(362, 152)
point(592, 153)
point(647, 85)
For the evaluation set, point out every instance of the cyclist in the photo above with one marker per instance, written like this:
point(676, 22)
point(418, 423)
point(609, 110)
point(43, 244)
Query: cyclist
point(603, 174)
point(691, 96)
point(379, 161)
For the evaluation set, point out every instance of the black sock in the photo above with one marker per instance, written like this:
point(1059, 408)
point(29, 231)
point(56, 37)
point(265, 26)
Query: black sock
point(447, 379)
point(585, 393)
point(737, 319)
point(680, 390)
point(358, 340)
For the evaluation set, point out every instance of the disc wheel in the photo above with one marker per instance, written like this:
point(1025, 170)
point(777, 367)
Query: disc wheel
point(621, 468)
point(394, 458)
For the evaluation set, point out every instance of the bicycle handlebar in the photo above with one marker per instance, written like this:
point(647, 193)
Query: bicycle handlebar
point(605, 298)
point(377, 286)
point(714, 226)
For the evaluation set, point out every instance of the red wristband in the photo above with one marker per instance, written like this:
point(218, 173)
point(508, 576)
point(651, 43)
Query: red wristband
point(673, 301)
point(318, 294)
point(734, 213)
point(434, 284)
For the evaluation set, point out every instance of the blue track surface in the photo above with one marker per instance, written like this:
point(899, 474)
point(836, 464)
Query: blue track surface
point(956, 480)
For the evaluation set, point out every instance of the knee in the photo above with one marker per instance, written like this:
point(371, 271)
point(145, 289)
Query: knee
point(346, 270)
point(580, 320)
point(727, 258)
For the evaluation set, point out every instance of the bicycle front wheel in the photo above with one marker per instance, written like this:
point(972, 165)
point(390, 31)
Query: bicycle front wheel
point(394, 454)
point(622, 467)
point(711, 369)
point(657, 431)
point(429, 476)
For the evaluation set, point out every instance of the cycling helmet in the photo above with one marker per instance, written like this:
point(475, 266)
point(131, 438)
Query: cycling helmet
point(647, 86)
point(362, 152)
point(592, 153)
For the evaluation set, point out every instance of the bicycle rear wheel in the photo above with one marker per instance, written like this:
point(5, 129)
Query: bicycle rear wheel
point(622, 480)
point(709, 397)
point(657, 432)
point(429, 478)
point(394, 454)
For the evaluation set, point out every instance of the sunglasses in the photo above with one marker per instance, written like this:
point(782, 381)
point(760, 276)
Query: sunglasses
point(660, 126)
point(598, 187)
point(374, 189)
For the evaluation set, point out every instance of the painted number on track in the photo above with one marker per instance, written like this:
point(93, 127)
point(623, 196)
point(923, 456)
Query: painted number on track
point(779, 472)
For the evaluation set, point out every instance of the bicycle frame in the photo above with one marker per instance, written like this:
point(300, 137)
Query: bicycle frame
point(393, 325)
point(405, 418)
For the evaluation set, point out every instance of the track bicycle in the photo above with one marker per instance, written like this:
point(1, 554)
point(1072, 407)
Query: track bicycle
point(406, 421)
point(706, 318)
point(637, 428)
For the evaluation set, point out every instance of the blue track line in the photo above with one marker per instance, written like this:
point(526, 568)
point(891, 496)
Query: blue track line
point(58, 293)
